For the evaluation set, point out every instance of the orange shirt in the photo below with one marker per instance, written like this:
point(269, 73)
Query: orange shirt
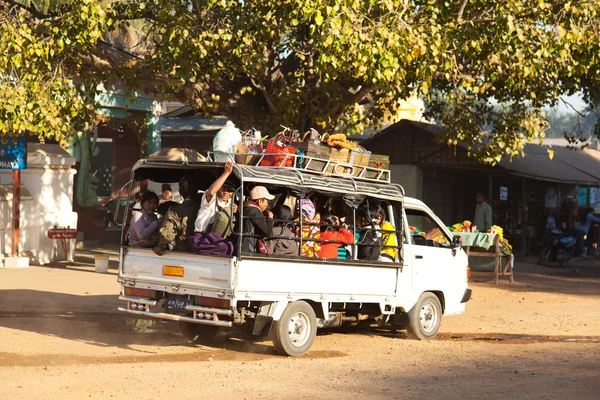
point(330, 250)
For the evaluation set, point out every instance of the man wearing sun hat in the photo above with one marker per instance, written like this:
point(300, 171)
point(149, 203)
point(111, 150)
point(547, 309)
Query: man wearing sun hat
point(256, 225)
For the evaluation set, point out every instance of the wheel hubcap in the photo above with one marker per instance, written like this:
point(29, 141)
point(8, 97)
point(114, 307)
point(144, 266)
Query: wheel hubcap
point(298, 329)
point(428, 318)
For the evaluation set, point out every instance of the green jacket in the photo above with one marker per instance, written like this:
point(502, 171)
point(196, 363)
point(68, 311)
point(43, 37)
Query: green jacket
point(178, 225)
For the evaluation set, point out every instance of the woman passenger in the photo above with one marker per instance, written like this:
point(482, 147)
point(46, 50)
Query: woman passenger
point(331, 232)
point(309, 229)
point(143, 230)
point(284, 242)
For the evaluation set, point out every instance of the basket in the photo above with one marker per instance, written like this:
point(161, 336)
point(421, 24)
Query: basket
point(337, 156)
point(377, 161)
point(279, 153)
point(312, 150)
point(360, 158)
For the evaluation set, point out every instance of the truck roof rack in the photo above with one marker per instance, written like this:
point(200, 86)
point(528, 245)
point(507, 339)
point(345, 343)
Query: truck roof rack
point(312, 165)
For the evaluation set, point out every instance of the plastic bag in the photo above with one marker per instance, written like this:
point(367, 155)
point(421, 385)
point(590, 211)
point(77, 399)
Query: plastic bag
point(225, 142)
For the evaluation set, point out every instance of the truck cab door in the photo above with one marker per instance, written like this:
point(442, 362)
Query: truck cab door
point(436, 265)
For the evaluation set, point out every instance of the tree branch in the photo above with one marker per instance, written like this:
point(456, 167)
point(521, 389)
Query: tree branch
point(461, 10)
point(269, 99)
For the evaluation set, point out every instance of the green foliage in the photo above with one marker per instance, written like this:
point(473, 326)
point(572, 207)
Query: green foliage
point(37, 90)
point(341, 63)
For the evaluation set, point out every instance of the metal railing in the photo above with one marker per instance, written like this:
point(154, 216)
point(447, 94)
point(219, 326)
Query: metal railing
point(313, 165)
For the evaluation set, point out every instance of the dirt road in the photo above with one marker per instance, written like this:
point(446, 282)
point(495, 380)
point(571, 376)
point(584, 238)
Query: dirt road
point(61, 338)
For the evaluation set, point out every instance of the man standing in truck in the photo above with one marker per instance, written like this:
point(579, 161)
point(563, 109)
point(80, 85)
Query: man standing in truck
point(216, 198)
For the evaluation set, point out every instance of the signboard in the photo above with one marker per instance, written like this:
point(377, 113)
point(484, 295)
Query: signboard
point(62, 233)
point(503, 193)
point(13, 153)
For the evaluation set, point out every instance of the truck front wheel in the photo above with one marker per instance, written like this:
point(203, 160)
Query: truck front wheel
point(425, 317)
point(197, 332)
point(294, 333)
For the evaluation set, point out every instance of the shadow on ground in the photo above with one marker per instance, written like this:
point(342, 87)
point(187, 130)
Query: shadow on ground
point(582, 277)
point(94, 320)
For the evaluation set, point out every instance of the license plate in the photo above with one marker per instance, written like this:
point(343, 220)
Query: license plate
point(177, 303)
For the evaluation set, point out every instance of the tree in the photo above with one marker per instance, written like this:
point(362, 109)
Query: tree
point(564, 123)
point(39, 93)
point(339, 64)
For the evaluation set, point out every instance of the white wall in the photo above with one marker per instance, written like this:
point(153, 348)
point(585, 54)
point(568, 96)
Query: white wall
point(410, 177)
point(47, 184)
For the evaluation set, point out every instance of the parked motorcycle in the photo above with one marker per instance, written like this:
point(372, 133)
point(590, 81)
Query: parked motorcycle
point(558, 247)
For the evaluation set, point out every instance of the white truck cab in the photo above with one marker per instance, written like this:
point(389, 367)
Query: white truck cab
point(290, 297)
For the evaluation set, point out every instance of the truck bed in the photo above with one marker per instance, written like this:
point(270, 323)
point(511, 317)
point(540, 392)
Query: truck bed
point(201, 274)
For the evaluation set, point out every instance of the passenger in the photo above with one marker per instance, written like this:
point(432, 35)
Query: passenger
point(387, 234)
point(256, 226)
point(369, 245)
point(137, 206)
point(309, 229)
point(225, 220)
point(167, 193)
point(215, 199)
point(178, 225)
point(284, 242)
point(331, 232)
point(164, 207)
point(143, 231)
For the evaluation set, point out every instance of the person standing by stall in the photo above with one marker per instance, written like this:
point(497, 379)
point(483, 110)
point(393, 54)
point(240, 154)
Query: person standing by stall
point(483, 214)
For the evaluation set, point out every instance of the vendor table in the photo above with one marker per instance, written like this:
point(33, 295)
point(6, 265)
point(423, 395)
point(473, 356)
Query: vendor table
point(488, 245)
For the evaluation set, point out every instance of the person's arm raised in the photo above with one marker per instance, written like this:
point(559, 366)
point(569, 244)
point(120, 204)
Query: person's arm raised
point(214, 188)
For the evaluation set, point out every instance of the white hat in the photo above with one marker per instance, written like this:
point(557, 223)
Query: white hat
point(260, 192)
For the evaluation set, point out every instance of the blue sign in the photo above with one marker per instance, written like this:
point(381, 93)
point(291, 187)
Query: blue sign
point(13, 152)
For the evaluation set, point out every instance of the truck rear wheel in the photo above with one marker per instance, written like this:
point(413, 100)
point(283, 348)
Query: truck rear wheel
point(197, 332)
point(425, 317)
point(294, 333)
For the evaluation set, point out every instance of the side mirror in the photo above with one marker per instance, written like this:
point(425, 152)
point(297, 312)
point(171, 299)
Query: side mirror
point(456, 242)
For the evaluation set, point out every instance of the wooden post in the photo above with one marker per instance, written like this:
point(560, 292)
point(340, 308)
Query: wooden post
point(490, 198)
point(16, 211)
point(524, 199)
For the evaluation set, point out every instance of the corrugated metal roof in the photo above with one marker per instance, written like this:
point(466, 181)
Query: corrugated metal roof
point(580, 167)
point(567, 166)
point(192, 124)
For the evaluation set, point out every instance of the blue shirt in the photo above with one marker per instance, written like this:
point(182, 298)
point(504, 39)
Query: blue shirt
point(585, 226)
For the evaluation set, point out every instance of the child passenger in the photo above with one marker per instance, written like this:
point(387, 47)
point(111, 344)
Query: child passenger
point(284, 243)
point(143, 230)
point(331, 232)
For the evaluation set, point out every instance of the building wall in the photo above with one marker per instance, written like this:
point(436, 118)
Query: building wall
point(47, 202)
point(410, 177)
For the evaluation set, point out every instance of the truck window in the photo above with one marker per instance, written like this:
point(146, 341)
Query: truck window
point(424, 230)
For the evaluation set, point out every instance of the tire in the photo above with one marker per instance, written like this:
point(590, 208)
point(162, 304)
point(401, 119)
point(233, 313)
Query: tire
point(425, 317)
point(564, 263)
point(544, 255)
point(198, 333)
point(294, 333)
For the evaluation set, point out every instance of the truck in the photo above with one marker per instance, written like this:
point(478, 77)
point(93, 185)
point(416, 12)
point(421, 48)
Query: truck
point(288, 299)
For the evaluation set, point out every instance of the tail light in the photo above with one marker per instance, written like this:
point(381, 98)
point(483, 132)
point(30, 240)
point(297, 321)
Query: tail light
point(150, 294)
point(211, 302)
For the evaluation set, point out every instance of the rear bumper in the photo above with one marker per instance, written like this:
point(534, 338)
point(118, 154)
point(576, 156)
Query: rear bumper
point(201, 315)
point(466, 296)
